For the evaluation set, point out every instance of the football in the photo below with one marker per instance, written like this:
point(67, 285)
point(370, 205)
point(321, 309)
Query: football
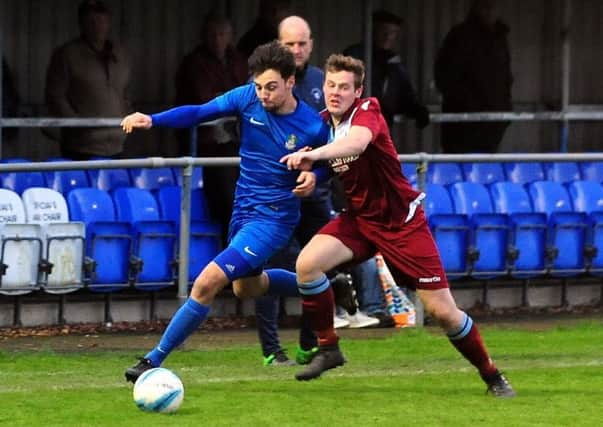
point(158, 390)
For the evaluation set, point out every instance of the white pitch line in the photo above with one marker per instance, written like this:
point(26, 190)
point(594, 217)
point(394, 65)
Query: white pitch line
point(287, 374)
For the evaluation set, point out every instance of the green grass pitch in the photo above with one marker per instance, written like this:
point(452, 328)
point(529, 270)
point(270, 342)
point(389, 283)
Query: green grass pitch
point(409, 377)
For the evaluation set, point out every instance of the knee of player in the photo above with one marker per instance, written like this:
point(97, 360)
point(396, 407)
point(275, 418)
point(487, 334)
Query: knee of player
point(305, 269)
point(245, 289)
point(445, 314)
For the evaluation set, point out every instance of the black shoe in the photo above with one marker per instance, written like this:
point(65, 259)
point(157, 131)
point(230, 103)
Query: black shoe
point(385, 320)
point(278, 358)
point(499, 386)
point(328, 357)
point(344, 292)
point(135, 371)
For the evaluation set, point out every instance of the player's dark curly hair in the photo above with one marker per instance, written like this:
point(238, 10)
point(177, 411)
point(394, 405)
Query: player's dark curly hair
point(338, 62)
point(272, 56)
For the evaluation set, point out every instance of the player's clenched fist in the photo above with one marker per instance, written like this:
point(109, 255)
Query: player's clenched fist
point(136, 121)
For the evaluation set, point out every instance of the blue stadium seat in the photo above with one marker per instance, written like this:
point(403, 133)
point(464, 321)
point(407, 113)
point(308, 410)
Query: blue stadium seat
point(410, 171)
point(154, 240)
point(21, 181)
point(437, 200)
point(205, 236)
point(109, 179)
point(152, 178)
point(451, 234)
point(528, 229)
point(196, 178)
point(444, 173)
point(524, 172)
point(450, 231)
point(66, 181)
point(592, 171)
point(562, 172)
point(587, 197)
point(566, 228)
point(490, 230)
point(108, 242)
point(483, 173)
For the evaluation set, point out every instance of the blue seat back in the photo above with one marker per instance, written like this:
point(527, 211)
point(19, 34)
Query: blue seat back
point(169, 202)
point(529, 237)
point(21, 181)
point(437, 200)
point(135, 204)
point(524, 172)
point(66, 181)
point(587, 196)
point(90, 205)
point(592, 171)
point(152, 178)
point(451, 234)
point(483, 173)
point(205, 244)
point(548, 197)
point(562, 172)
point(509, 198)
point(409, 170)
point(109, 179)
point(444, 173)
point(470, 198)
point(196, 177)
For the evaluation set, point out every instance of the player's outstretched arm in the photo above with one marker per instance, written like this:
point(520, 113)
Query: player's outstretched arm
point(136, 121)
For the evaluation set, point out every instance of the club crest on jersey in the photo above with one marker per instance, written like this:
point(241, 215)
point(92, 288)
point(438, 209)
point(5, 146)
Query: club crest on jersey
point(291, 142)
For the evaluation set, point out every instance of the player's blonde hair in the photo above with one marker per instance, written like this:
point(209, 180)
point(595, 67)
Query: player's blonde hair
point(337, 62)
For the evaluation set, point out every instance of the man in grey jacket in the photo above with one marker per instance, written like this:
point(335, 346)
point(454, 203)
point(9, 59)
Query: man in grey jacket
point(88, 77)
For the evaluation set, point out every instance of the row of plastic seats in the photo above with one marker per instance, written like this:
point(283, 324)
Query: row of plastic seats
point(104, 179)
point(40, 247)
point(128, 237)
point(511, 229)
point(134, 235)
point(520, 172)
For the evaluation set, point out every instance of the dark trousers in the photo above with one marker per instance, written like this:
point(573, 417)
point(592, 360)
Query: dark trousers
point(314, 215)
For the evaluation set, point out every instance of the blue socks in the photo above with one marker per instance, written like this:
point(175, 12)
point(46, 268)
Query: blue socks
point(282, 283)
point(186, 321)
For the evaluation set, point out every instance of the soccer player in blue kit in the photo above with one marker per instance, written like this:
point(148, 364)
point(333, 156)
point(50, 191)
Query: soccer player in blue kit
point(274, 123)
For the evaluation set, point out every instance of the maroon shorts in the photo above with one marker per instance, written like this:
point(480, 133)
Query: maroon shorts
point(410, 251)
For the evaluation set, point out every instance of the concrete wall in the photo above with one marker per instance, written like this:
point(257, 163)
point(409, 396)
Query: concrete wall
point(136, 309)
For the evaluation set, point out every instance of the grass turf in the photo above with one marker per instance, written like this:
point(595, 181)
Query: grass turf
point(414, 377)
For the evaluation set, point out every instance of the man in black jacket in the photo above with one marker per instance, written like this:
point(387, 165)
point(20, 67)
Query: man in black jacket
point(473, 73)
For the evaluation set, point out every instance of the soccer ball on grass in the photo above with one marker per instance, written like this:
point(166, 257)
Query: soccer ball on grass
point(158, 390)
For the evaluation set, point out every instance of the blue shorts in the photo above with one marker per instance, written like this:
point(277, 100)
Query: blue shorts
point(252, 242)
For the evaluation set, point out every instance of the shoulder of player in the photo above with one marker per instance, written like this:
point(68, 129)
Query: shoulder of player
point(367, 105)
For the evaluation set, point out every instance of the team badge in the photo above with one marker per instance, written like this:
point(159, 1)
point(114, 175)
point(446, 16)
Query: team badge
point(291, 142)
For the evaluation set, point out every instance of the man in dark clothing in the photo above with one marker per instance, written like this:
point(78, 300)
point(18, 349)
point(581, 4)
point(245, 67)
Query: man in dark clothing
point(212, 68)
point(473, 73)
point(265, 27)
point(390, 82)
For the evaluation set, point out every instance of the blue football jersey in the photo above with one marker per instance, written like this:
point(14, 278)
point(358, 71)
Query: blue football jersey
point(265, 185)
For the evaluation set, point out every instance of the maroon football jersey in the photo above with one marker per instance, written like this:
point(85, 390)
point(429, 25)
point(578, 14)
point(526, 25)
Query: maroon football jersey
point(375, 188)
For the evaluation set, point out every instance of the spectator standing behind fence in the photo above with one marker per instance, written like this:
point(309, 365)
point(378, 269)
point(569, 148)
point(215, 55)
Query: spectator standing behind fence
point(390, 82)
point(88, 77)
point(211, 69)
point(10, 100)
point(265, 27)
point(473, 72)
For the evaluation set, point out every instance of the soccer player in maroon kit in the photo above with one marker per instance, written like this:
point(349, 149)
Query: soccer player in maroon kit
point(384, 215)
